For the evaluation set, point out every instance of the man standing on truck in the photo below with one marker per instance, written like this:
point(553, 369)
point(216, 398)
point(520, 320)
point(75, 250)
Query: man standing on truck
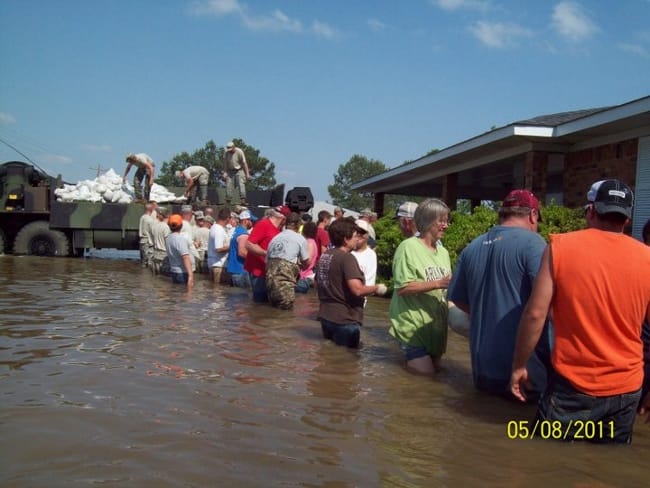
point(235, 172)
point(145, 171)
point(197, 178)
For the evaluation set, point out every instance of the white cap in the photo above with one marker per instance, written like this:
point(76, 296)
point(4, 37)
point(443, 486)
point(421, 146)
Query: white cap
point(363, 225)
point(230, 144)
point(406, 209)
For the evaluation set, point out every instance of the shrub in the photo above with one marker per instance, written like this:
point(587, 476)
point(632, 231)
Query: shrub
point(465, 227)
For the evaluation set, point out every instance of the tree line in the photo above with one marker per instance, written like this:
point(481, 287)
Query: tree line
point(262, 172)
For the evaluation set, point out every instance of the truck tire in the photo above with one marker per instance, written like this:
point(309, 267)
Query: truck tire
point(37, 239)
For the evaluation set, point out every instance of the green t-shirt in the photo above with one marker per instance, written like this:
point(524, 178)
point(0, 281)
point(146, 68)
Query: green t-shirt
point(420, 319)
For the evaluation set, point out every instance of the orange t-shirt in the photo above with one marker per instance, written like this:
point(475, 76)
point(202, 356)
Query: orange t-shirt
point(602, 292)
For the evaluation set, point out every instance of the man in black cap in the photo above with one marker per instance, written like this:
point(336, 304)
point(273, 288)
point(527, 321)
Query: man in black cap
point(596, 286)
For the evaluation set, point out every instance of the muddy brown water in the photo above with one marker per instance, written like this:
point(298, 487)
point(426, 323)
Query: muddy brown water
point(112, 377)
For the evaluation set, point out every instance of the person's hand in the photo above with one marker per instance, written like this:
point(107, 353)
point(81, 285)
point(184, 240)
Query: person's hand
point(249, 177)
point(444, 282)
point(381, 290)
point(519, 382)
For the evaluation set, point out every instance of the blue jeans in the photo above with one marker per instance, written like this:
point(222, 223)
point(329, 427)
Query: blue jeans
point(179, 278)
point(342, 334)
point(258, 284)
point(242, 280)
point(561, 401)
point(303, 285)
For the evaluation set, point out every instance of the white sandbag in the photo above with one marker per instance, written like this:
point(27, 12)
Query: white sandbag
point(458, 320)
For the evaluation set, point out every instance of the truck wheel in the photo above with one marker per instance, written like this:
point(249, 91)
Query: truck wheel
point(37, 239)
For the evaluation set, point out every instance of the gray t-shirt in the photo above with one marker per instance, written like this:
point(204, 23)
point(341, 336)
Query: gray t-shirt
point(177, 247)
point(288, 245)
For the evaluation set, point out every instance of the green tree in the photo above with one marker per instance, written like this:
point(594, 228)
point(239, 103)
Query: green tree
point(211, 157)
point(356, 169)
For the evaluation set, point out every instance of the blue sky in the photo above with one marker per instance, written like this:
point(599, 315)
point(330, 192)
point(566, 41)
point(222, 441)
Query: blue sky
point(308, 83)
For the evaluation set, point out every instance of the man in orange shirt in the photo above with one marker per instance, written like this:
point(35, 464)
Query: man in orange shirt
point(596, 285)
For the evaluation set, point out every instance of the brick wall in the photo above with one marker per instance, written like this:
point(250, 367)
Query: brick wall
point(582, 168)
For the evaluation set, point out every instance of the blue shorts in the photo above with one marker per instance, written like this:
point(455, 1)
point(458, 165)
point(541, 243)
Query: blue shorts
point(413, 352)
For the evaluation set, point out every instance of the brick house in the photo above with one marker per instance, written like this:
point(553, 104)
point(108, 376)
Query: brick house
point(556, 156)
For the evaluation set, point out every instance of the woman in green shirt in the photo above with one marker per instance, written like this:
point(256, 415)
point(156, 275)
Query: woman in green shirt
point(421, 275)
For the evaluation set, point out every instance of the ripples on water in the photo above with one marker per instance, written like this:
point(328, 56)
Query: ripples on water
point(113, 377)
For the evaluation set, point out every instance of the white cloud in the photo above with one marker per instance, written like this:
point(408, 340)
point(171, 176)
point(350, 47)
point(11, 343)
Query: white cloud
point(6, 119)
point(637, 49)
point(375, 25)
point(324, 30)
point(571, 22)
point(451, 5)
point(276, 22)
point(497, 34)
point(96, 148)
point(215, 7)
point(55, 159)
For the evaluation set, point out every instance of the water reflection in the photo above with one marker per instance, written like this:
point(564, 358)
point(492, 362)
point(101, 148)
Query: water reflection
point(112, 376)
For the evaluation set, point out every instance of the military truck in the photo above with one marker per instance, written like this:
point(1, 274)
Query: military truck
point(33, 222)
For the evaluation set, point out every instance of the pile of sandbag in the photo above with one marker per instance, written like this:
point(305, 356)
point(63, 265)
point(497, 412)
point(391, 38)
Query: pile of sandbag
point(108, 188)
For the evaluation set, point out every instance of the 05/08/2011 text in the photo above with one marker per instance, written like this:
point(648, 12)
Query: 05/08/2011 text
point(574, 429)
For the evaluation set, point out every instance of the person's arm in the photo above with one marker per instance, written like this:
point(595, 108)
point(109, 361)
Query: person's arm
point(187, 262)
point(224, 173)
point(242, 251)
point(532, 324)
point(244, 164)
point(255, 248)
point(150, 170)
point(188, 187)
point(358, 289)
point(415, 287)
point(126, 171)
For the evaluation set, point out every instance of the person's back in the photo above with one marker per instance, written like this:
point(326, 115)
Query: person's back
point(596, 284)
point(286, 254)
point(495, 275)
point(602, 291)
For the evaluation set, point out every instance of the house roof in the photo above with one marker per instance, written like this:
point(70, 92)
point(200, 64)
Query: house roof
point(497, 148)
point(552, 120)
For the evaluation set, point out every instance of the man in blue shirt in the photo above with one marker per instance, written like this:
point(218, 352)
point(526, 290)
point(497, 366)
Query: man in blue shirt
point(492, 282)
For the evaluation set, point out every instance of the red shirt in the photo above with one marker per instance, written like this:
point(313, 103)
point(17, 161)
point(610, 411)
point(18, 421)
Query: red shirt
point(322, 240)
point(261, 235)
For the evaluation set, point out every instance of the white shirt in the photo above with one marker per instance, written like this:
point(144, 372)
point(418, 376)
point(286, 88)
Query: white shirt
point(217, 238)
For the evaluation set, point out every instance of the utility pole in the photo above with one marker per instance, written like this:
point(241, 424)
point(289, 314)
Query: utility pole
point(99, 170)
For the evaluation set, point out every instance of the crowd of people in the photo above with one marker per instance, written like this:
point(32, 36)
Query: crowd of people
point(564, 325)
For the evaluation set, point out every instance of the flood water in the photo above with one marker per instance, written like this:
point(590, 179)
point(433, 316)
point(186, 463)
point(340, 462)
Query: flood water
point(112, 377)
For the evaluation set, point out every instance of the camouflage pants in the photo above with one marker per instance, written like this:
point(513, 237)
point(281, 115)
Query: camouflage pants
point(281, 278)
point(146, 254)
point(236, 179)
point(141, 176)
point(199, 190)
point(160, 264)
